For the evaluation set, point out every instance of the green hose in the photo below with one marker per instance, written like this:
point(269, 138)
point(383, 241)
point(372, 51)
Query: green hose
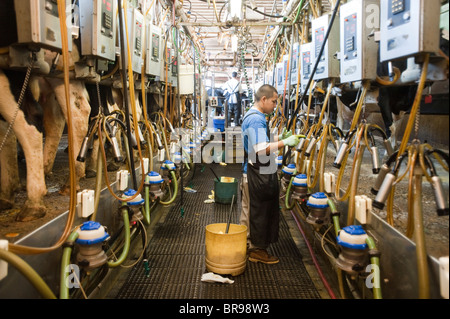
point(187, 159)
point(333, 210)
point(298, 11)
point(26, 270)
point(65, 261)
point(126, 248)
point(98, 184)
point(146, 210)
point(175, 188)
point(375, 260)
point(286, 199)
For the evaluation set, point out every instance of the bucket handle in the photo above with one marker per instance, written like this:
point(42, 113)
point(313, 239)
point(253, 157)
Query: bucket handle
point(229, 216)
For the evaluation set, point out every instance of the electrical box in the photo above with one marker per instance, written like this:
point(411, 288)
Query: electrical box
point(330, 183)
point(38, 23)
point(359, 20)
point(328, 66)
point(213, 101)
point(98, 28)
point(146, 163)
point(85, 203)
point(363, 207)
point(280, 77)
point(153, 55)
point(306, 65)
point(186, 76)
point(122, 177)
point(408, 27)
point(294, 63)
point(135, 21)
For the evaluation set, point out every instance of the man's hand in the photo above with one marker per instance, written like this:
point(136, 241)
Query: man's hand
point(292, 140)
point(284, 134)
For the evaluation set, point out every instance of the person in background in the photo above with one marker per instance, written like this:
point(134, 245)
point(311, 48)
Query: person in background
point(233, 90)
point(259, 185)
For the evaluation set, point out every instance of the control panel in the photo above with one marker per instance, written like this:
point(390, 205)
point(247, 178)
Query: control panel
point(328, 66)
point(38, 23)
point(135, 21)
point(213, 101)
point(154, 56)
point(408, 28)
point(268, 77)
point(280, 77)
point(359, 51)
point(294, 63)
point(306, 65)
point(98, 28)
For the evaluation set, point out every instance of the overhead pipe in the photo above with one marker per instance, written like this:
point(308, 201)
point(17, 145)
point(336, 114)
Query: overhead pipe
point(178, 7)
point(233, 24)
point(286, 12)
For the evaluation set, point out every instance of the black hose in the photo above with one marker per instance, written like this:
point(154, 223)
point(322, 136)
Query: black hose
point(391, 159)
point(378, 130)
point(398, 163)
point(440, 153)
point(112, 119)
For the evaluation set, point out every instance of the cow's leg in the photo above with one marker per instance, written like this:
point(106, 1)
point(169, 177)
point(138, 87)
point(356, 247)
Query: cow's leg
point(31, 141)
point(398, 128)
point(54, 123)
point(343, 113)
point(385, 109)
point(80, 110)
point(9, 169)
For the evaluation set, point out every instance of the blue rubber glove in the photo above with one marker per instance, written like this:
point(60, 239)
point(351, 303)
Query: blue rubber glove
point(292, 140)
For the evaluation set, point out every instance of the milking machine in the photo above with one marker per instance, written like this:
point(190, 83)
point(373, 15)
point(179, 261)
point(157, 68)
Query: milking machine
point(354, 250)
point(94, 248)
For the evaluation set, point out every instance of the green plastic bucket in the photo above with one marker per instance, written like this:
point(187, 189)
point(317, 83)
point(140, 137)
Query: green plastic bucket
point(223, 192)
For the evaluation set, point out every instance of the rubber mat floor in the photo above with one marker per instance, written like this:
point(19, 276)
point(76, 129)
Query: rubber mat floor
point(177, 254)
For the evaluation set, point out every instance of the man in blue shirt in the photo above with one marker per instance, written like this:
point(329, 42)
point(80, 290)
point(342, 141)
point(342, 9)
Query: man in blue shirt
point(260, 192)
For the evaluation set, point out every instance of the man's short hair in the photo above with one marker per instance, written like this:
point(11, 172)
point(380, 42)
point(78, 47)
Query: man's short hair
point(265, 90)
point(234, 74)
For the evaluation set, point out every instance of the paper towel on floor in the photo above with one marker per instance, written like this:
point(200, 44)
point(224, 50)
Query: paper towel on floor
point(212, 277)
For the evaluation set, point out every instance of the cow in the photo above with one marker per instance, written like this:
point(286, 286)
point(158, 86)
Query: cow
point(30, 139)
point(48, 96)
point(39, 156)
